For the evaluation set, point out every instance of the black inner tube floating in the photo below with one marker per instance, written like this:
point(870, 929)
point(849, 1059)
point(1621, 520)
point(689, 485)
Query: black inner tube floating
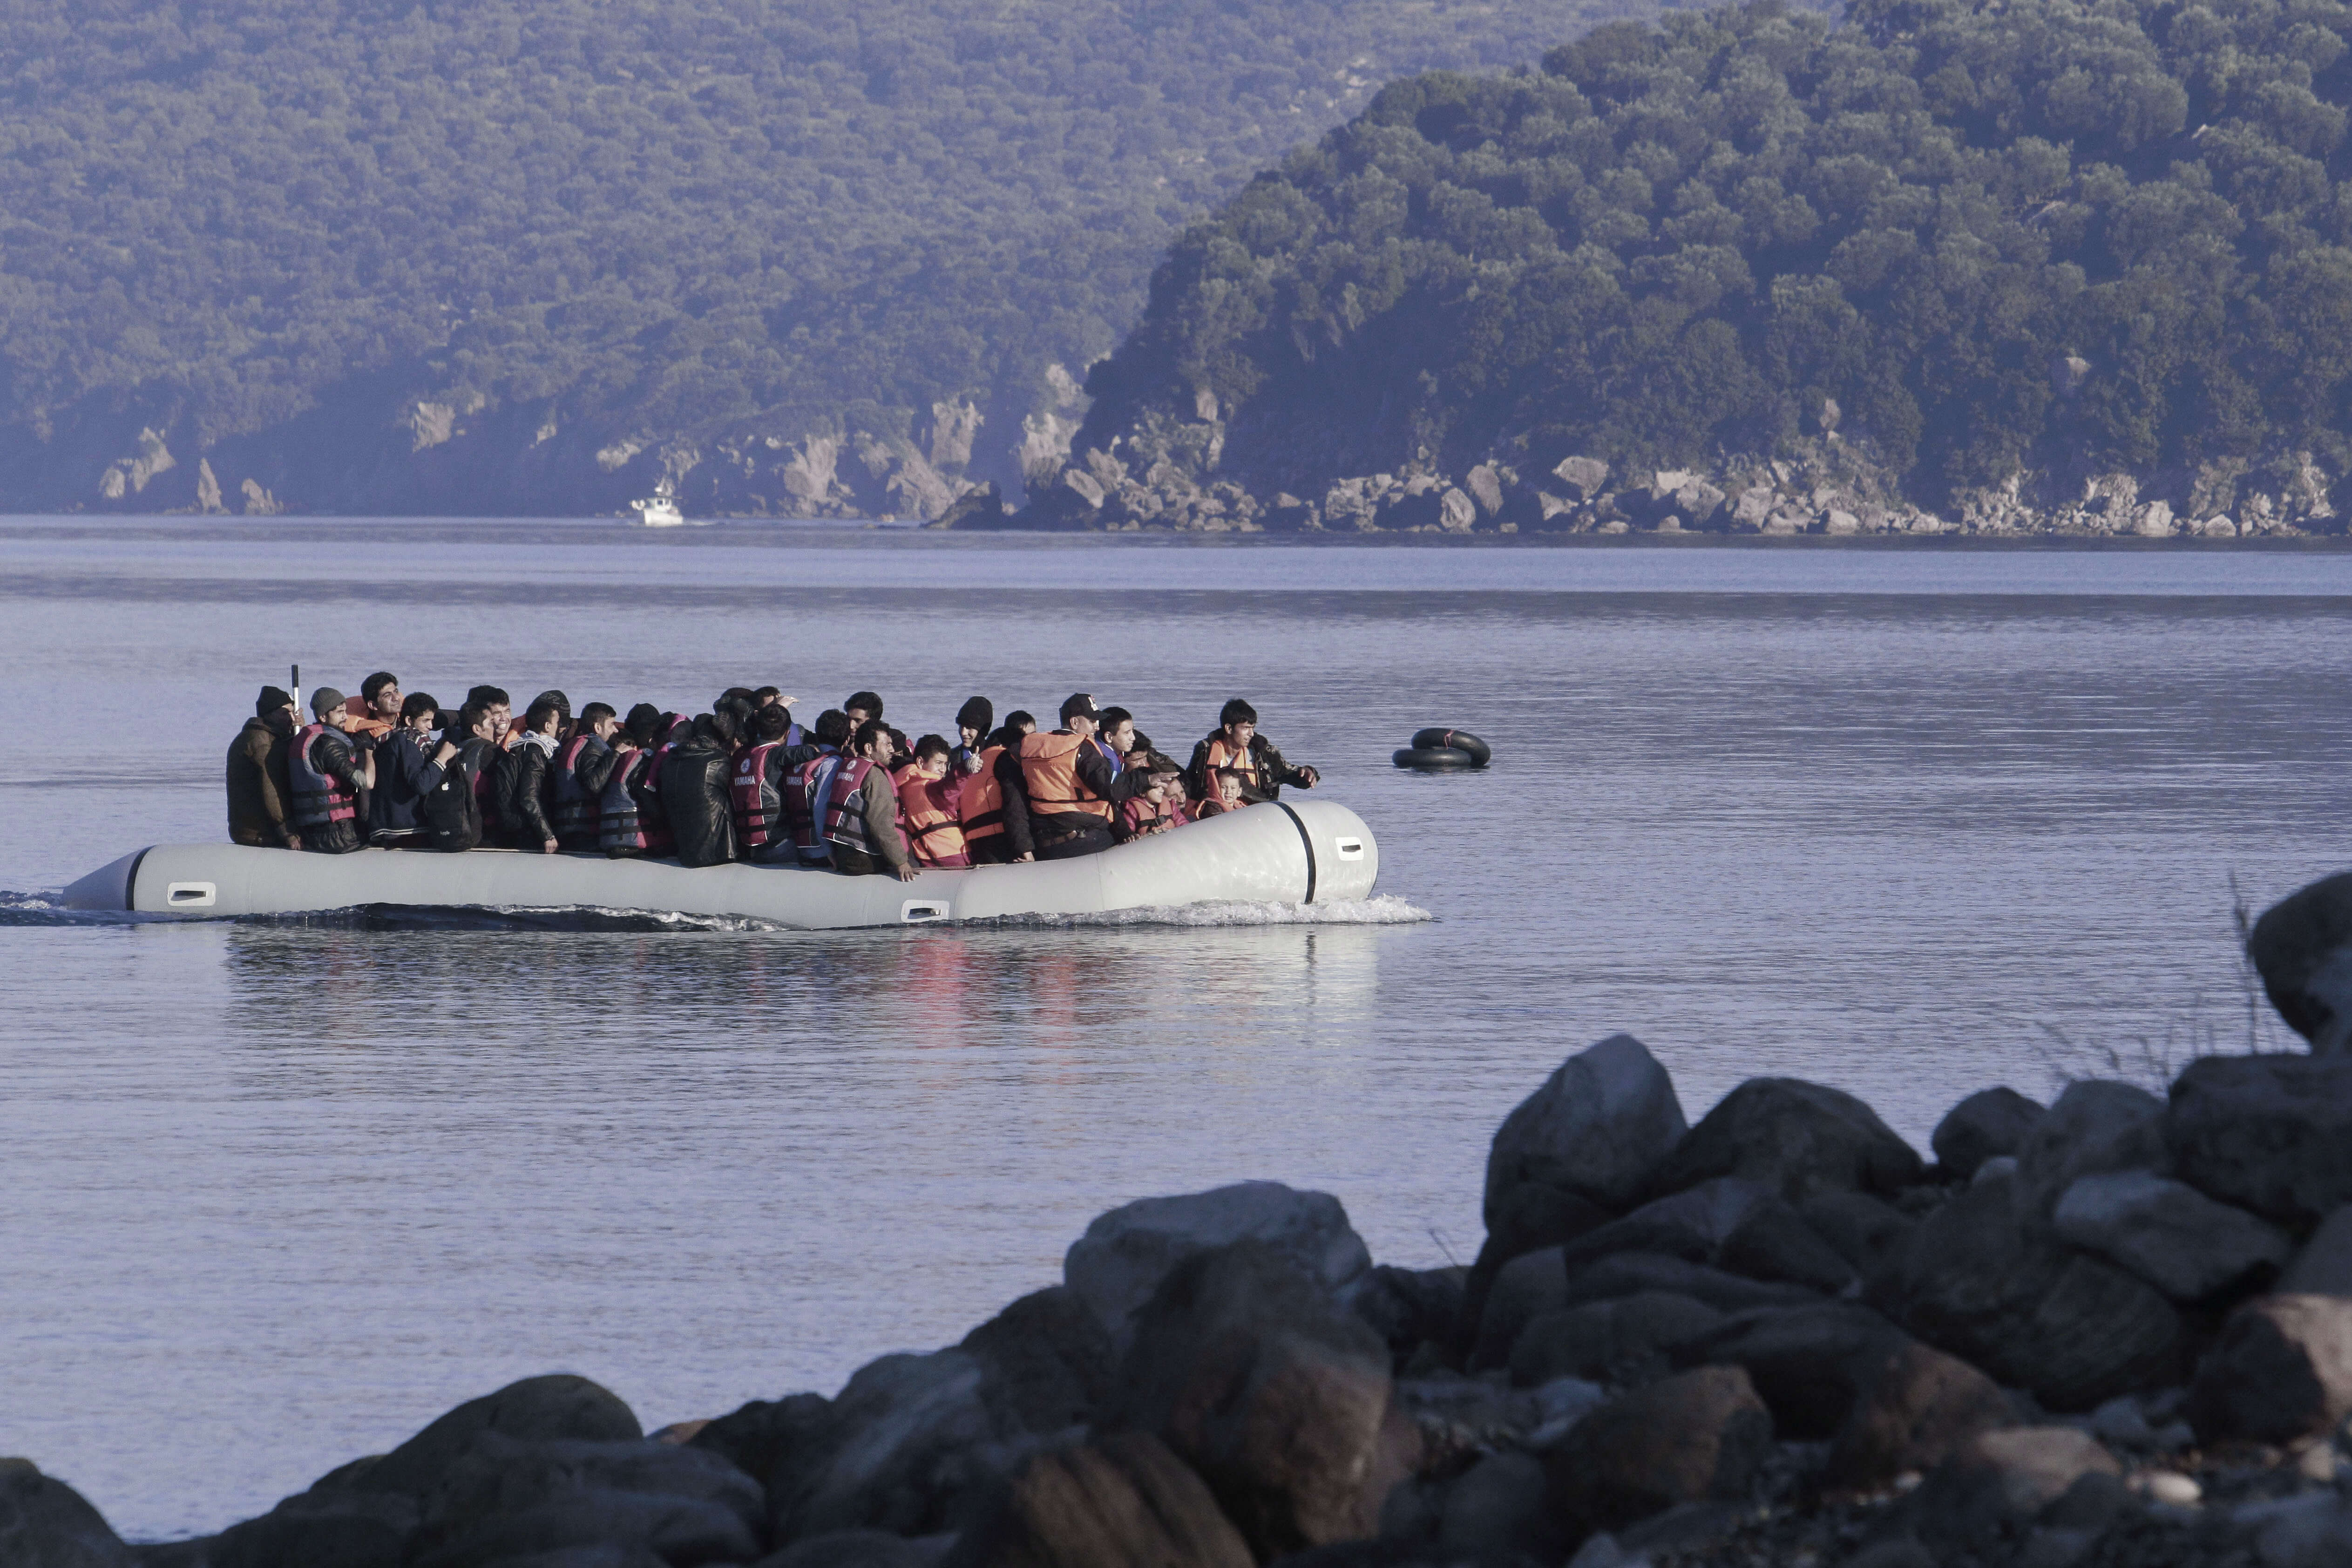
point(1463, 741)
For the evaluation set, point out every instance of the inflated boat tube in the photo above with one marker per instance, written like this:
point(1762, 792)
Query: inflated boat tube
point(1434, 759)
point(1458, 740)
point(1303, 852)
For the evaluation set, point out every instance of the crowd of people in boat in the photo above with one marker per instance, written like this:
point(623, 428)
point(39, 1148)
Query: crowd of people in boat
point(742, 781)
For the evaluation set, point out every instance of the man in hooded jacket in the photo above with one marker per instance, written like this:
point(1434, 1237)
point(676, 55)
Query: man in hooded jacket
point(257, 790)
point(695, 776)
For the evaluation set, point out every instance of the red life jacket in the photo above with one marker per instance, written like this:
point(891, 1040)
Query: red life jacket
point(981, 808)
point(617, 823)
point(844, 817)
point(319, 797)
point(653, 821)
point(755, 802)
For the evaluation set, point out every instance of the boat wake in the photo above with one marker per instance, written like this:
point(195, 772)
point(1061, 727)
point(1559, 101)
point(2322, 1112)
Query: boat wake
point(1385, 910)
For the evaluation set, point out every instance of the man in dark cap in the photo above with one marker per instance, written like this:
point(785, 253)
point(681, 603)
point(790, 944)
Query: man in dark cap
point(1064, 788)
point(328, 779)
point(257, 790)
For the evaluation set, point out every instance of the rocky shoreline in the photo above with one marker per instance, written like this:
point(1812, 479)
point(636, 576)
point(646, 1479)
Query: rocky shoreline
point(2116, 1330)
point(1823, 484)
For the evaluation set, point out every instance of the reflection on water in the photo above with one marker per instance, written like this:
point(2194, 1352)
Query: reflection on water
point(280, 1192)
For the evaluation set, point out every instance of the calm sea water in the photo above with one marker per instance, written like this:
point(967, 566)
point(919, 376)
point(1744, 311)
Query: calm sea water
point(1909, 821)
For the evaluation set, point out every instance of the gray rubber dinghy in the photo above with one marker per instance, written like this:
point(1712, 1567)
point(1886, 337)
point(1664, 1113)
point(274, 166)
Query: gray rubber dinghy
point(1303, 852)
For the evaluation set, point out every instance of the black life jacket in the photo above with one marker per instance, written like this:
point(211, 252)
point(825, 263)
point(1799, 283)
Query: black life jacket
point(319, 797)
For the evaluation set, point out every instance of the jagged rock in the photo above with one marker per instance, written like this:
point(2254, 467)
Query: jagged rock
point(1582, 477)
point(1409, 1307)
point(1914, 1407)
point(1793, 1137)
point(505, 1499)
point(259, 502)
point(1457, 512)
point(1121, 1498)
point(2269, 1133)
point(1989, 1122)
point(1692, 1438)
point(1808, 1364)
point(1599, 1127)
point(1625, 1273)
point(1841, 523)
point(2071, 1330)
point(2282, 1371)
point(44, 1524)
point(1735, 1225)
point(1864, 1231)
point(1244, 1366)
point(2154, 520)
point(208, 491)
point(1623, 1340)
point(2093, 1128)
point(1531, 1216)
point(2168, 1232)
point(954, 426)
point(1526, 1286)
point(981, 508)
point(1698, 503)
point(2323, 1266)
point(779, 1443)
point(1754, 508)
point(1125, 1254)
point(1484, 484)
point(1083, 486)
point(2302, 947)
point(130, 475)
point(555, 1408)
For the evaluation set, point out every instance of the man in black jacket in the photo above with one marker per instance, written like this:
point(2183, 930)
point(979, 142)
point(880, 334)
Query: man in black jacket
point(1236, 744)
point(694, 779)
point(407, 765)
point(329, 778)
point(526, 785)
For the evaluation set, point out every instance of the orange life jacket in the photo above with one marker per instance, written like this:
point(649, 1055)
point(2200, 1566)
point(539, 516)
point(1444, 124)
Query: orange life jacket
point(357, 707)
point(981, 808)
point(1223, 754)
point(934, 837)
point(1049, 770)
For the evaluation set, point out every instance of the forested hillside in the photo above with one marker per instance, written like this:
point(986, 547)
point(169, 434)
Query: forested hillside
point(1977, 257)
point(349, 255)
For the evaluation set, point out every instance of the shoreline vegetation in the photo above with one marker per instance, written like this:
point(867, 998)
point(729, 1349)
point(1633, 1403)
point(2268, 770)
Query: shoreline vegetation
point(2115, 1330)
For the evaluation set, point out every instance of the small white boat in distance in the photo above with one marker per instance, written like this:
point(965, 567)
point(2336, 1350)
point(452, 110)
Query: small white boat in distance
point(660, 510)
point(1308, 852)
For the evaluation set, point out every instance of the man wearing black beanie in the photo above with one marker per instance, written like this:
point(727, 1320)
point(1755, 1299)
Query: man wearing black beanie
point(974, 720)
point(258, 789)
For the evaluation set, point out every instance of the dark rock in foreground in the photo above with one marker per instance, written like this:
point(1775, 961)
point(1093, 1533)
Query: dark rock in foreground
point(2115, 1333)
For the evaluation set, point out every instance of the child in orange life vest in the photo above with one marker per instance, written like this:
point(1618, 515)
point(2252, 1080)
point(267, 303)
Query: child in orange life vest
point(1228, 799)
point(1157, 808)
point(928, 797)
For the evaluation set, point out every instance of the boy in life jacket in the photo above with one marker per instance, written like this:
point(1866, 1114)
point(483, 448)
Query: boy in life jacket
point(858, 813)
point(620, 829)
point(928, 792)
point(1229, 797)
point(1235, 744)
point(328, 778)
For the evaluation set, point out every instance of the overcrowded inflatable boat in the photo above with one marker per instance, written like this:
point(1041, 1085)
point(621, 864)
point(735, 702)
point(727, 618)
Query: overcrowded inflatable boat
point(1294, 852)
